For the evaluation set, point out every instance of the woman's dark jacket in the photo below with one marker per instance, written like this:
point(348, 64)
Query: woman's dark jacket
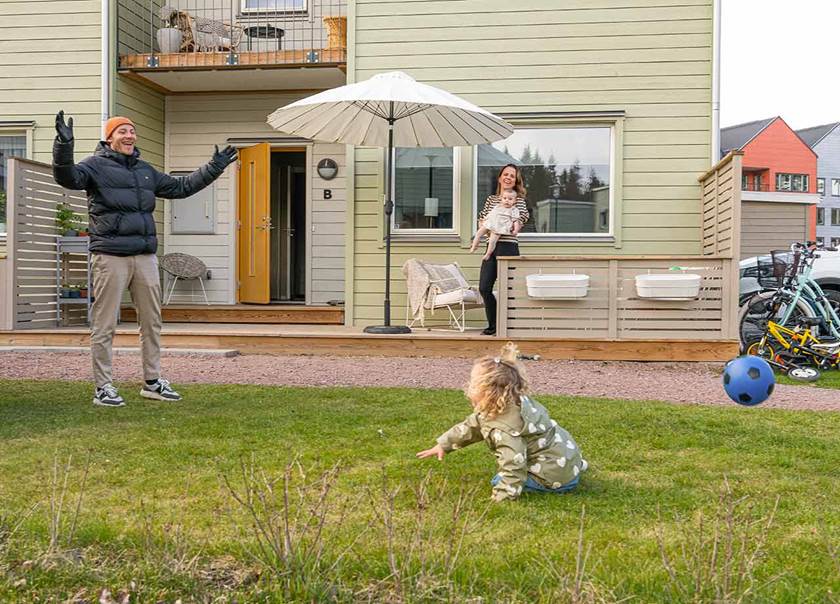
point(121, 191)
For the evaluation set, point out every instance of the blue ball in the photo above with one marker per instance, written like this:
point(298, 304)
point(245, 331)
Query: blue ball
point(748, 380)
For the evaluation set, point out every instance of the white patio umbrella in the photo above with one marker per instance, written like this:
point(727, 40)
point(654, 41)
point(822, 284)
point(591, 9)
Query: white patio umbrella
point(390, 109)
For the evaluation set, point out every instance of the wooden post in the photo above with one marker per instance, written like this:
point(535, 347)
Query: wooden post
point(612, 309)
point(502, 299)
point(728, 327)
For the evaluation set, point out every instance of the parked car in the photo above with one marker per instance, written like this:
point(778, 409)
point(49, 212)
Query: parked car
point(826, 272)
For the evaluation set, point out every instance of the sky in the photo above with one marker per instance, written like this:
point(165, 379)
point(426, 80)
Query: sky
point(779, 57)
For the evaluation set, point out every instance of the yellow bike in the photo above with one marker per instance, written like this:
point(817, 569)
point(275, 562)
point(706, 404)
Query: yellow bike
point(796, 346)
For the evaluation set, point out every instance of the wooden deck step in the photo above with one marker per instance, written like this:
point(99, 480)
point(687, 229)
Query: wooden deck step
point(338, 340)
point(277, 314)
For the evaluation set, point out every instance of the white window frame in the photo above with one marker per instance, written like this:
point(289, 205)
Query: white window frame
point(820, 186)
point(247, 12)
point(835, 213)
point(820, 241)
point(780, 176)
point(25, 129)
point(835, 241)
point(456, 199)
point(835, 187)
point(548, 237)
point(820, 216)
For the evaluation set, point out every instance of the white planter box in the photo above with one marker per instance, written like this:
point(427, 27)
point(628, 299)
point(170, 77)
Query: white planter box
point(557, 287)
point(681, 286)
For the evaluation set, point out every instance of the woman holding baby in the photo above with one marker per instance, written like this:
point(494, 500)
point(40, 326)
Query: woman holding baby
point(502, 221)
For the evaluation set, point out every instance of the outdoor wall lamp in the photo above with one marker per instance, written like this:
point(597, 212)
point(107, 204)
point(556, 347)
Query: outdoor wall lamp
point(327, 168)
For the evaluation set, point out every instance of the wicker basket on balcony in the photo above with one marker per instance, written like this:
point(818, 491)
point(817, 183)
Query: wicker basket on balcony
point(336, 32)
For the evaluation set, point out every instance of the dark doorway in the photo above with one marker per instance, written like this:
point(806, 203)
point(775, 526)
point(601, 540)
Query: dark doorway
point(288, 226)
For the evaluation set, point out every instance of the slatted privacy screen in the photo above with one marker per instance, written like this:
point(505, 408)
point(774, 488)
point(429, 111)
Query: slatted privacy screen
point(721, 206)
point(647, 318)
point(32, 244)
point(612, 308)
point(574, 318)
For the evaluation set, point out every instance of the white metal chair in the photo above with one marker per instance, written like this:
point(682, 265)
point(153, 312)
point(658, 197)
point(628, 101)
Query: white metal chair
point(185, 268)
point(436, 286)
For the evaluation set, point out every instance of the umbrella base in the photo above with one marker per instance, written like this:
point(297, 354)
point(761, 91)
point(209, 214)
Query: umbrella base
point(387, 329)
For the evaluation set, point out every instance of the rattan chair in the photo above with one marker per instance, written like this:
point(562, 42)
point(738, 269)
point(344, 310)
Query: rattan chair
point(185, 268)
point(201, 34)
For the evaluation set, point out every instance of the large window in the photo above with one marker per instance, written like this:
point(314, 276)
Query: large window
point(835, 187)
point(820, 216)
point(792, 182)
point(10, 146)
point(567, 173)
point(273, 6)
point(424, 189)
point(835, 216)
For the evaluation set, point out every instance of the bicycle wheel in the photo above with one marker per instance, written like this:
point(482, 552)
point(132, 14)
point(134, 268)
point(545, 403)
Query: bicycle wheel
point(764, 307)
point(803, 374)
point(765, 352)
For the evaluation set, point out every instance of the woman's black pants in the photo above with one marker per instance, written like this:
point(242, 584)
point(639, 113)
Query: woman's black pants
point(487, 278)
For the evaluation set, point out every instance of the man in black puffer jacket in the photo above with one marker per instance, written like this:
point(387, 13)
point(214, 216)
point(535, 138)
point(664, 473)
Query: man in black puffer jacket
point(121, 190)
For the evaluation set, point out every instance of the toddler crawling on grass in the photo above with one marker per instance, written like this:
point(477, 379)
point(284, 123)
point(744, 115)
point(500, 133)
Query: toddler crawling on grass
point(533, 453)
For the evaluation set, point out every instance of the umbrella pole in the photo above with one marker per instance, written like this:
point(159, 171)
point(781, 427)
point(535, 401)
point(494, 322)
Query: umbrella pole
point(389, 210)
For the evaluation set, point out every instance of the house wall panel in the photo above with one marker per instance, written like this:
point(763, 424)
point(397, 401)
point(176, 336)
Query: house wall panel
point(651, 60)
point(767, 226)
point(828, 167)
point(194, 123)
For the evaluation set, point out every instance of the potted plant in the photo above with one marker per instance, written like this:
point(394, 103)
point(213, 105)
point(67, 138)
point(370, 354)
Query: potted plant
point(66, 291)
point(83, 291)
point(169, 37)
point(66, 220)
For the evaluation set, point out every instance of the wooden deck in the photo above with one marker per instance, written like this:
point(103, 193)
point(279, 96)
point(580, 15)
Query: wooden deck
point(334, 340)
point(282, 314)
point(315, 57)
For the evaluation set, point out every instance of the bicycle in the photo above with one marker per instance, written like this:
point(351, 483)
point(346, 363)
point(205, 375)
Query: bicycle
point(798, 346)
point(791, 294)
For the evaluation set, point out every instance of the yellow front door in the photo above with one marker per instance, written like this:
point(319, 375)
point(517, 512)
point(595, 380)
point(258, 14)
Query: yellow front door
point(254, 223)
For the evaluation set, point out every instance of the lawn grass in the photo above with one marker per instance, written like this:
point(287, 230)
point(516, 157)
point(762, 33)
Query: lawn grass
point(157, 520)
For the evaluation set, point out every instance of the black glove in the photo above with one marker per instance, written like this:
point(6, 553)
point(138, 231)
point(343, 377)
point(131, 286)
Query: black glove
point(225, 157)
point(65, 131)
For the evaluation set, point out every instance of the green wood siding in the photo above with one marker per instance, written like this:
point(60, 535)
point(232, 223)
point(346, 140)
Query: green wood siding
point(144, 107)
point(650, 59)
point(49, 60)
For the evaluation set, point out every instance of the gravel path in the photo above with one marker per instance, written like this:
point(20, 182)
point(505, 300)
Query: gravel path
point(672, 382)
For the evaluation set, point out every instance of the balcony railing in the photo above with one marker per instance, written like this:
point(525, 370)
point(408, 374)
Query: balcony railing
point(764, 187)
point(154, 34)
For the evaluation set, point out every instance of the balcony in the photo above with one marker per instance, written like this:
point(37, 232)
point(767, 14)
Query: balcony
point(244, 42)
point(751, 191)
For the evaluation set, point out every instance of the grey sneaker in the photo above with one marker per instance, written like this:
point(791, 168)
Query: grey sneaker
point(107, 396)
point(160, 391)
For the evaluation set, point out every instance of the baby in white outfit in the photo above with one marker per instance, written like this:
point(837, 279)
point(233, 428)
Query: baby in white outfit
point(499, 221)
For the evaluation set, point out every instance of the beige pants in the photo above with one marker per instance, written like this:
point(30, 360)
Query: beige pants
point(111, 276)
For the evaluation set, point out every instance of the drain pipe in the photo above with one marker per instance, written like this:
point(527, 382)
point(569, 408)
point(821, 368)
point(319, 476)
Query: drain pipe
point(716, 19)
point(105, 62)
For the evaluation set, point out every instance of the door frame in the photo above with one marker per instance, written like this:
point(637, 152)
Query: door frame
point(276, 147)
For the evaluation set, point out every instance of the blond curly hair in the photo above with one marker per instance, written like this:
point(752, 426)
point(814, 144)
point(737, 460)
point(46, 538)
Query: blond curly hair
point(496, 383)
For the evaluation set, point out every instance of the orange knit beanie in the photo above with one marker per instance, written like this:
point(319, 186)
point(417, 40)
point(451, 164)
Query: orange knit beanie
point(114, 123)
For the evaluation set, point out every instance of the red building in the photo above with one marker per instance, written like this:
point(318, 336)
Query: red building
point(778, 184)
